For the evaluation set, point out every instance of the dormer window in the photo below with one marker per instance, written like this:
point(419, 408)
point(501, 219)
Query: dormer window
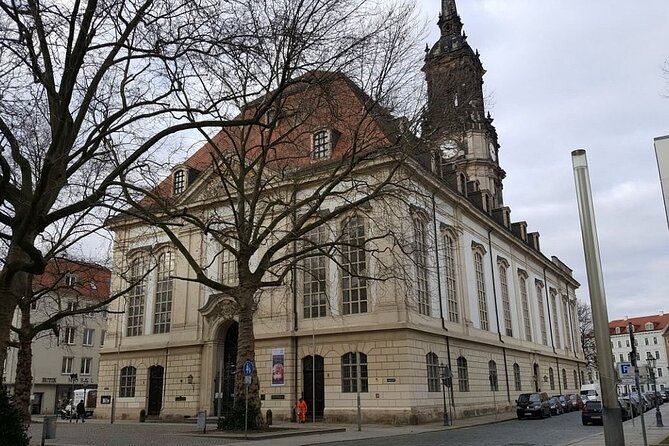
point(649, 326)
point(70, 279)
point(617, 330)
point(179, 182)
point(321, 146)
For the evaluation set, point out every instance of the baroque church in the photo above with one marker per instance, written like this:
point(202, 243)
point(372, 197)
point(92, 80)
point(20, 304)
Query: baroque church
point(479, 303)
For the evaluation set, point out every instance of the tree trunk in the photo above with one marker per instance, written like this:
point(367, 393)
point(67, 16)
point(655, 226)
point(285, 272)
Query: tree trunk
point(7, 308)
point(246, 351)
point(24, 378)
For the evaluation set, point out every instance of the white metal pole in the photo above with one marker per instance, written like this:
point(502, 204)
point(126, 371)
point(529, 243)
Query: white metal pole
point(358, 383)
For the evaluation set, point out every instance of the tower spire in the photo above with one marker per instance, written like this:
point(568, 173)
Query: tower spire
point(448, 8)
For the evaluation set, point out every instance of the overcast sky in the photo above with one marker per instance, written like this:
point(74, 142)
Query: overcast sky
point(567, 74)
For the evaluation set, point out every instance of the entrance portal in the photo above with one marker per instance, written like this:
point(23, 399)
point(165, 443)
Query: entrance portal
point(156, 373)
point(224, 391)
point(313, 379)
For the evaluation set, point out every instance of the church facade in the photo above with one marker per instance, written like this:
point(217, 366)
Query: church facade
point(478, 301)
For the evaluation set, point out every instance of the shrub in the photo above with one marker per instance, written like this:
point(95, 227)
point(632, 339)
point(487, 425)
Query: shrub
point(12, 427)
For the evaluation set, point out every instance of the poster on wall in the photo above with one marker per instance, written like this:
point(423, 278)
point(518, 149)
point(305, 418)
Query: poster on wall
point(278, 356)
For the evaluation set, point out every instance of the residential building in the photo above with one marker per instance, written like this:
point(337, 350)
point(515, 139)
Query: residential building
point(479, 296)
point(67, 358)
point(651, 339)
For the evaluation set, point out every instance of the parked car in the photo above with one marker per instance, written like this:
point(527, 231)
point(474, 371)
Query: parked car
point(592, 412)
point(533, 405)
point(576, 402)
point(627, 411)
point(631, 404)
point(665, 395)
point(556, 406)
point(566, 403)
point(648, 402)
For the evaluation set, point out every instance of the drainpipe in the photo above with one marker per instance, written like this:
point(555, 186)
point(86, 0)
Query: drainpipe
point(294, 337)
point(548, 307)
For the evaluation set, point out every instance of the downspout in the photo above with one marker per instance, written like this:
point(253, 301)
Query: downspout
point(548, 307)
point(294, 337)
point(557, 365)
point(499, 332)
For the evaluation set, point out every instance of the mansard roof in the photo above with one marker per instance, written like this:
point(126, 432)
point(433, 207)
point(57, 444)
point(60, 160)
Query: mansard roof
point(92, 281)
point(659, 321)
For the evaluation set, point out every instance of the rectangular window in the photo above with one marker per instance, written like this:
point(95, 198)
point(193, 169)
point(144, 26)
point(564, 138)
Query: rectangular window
point(229, 275)
point(349, 373)
point(621, 357)
point(164, 288)
point(627, 343)
point(542, 315)
point(657, 354)
point(655, 340)
point(659, 372)
point(433, 373)
point(506, 303)
point(354, 267)
point(102, 337)
point(480, 291)
point(556, 328)
point(179, 181)
point(315, 276)
point(136, 298)
point(33, 305)
point(66, 366)
point(420, 258)
point(86, 366)
point(620, 344)
point(127, 382)
point(451, 292)
point(646, 340)
point(526, 308)
point(88, 336)
point(321, 144)
point(68, 337)
point(70, 279)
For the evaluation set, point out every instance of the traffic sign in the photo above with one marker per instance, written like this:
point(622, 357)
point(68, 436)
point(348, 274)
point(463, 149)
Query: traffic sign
point(248, 367)
point(625, 370)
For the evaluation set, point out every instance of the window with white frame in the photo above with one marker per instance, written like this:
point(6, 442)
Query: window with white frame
point(86, 366)
point(492, 376)
point(575, 380)
point(567, 327)
point(179, 184)
point(463, 374)
point(556, 322)
point(646, 341)
point(136, 299)
point(649, 325)
point(314, 283)
point(451, 291)
point(127, 382)
point(89, 333)
point(69, 335)
point(321, 144)
point(542, 313)
point(66, 366)
point(655, 340)
point(229, 273)
point(657, 354)
point(420, 259)
point(480, 291)
point(354, 266)
point(433, 375)
point(349, 373)
point(551, 378)
point(525, 304)
point(164, 289)
point(517, 378)
point(506, 303)
point(71, 279)
point(659, 372)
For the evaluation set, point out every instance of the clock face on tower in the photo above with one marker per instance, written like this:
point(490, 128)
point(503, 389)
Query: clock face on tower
point(493, 152)
point(449, 149)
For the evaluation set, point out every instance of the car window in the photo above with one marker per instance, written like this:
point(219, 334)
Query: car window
point(535, 397)
point(523, 398)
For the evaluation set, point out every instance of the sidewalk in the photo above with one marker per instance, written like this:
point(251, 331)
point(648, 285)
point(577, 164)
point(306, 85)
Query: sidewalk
point(633, 434)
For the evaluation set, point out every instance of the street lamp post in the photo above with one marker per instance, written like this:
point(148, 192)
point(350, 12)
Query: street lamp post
point(446, 381)
point(651, 370)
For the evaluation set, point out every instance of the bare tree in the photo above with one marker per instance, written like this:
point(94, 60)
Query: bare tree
point(274, 195)
point(587, 333)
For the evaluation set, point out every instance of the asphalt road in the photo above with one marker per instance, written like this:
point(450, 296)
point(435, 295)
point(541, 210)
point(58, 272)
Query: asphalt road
point(554, 431)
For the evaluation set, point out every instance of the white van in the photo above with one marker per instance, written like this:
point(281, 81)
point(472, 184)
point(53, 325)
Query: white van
point(90, 400)
point(590, 392)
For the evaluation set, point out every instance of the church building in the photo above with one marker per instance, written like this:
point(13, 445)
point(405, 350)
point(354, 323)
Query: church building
point(475, 300)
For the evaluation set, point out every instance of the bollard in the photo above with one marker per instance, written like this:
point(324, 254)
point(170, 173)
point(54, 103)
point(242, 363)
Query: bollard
point(49, 428)
point(268, 417)
point(142, 416)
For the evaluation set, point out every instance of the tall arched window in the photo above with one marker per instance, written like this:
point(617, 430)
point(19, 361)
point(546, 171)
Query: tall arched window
point(127, 382)
point(556, 321)
point(518, 385)
point(451, 290)
point(420, 259)
point(567, 328)
point(314, 289)
point(564, 379)
point(506, 303)
point(463, 375)
point(229, 273)
point(136, 297)
point(551, 378)
point(480, 290)
point(492, 376)
point(575, 380)
point(354, 266)
point(164, 288)
point(542, 313)
point(349, 373)
point(524, 302)
point(433, 378)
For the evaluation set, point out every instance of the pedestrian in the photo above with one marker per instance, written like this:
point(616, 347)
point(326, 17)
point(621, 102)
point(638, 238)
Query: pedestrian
point(302, 410)
point(81, 411)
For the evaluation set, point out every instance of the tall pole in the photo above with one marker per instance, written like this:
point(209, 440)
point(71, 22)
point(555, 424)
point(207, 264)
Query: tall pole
point(219, 396)
point(630, 330)
point(613, 428)
point(313, 372)
point(358, 383)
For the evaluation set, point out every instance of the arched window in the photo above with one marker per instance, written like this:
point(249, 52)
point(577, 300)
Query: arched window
point(492, 376)
point(575, 380)
point(463, 376)
point(432, 362)
point(526, 308)
point(451, 290)
point(567, 327)
point(164, 287)
point(516, 378)
point(136, 297)
point(506, 303)
point(127, 382)
point(179, 182)
point(480, 290)
point(314, 289)
point(582, 377)
point(354, 266)
point(229, 273)
point(551, 378)
point(564, 379)
point(542, 314)
point(349, 373)
point(556, 321)
point(420, 259)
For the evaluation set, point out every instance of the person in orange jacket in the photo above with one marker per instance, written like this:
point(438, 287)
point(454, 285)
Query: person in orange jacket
point(302, 410)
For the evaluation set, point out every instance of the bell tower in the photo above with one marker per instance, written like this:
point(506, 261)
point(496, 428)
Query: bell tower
point(455, 124)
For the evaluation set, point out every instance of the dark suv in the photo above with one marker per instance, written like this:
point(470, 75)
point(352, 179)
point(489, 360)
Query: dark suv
point(533, 405)
point(592, 412)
